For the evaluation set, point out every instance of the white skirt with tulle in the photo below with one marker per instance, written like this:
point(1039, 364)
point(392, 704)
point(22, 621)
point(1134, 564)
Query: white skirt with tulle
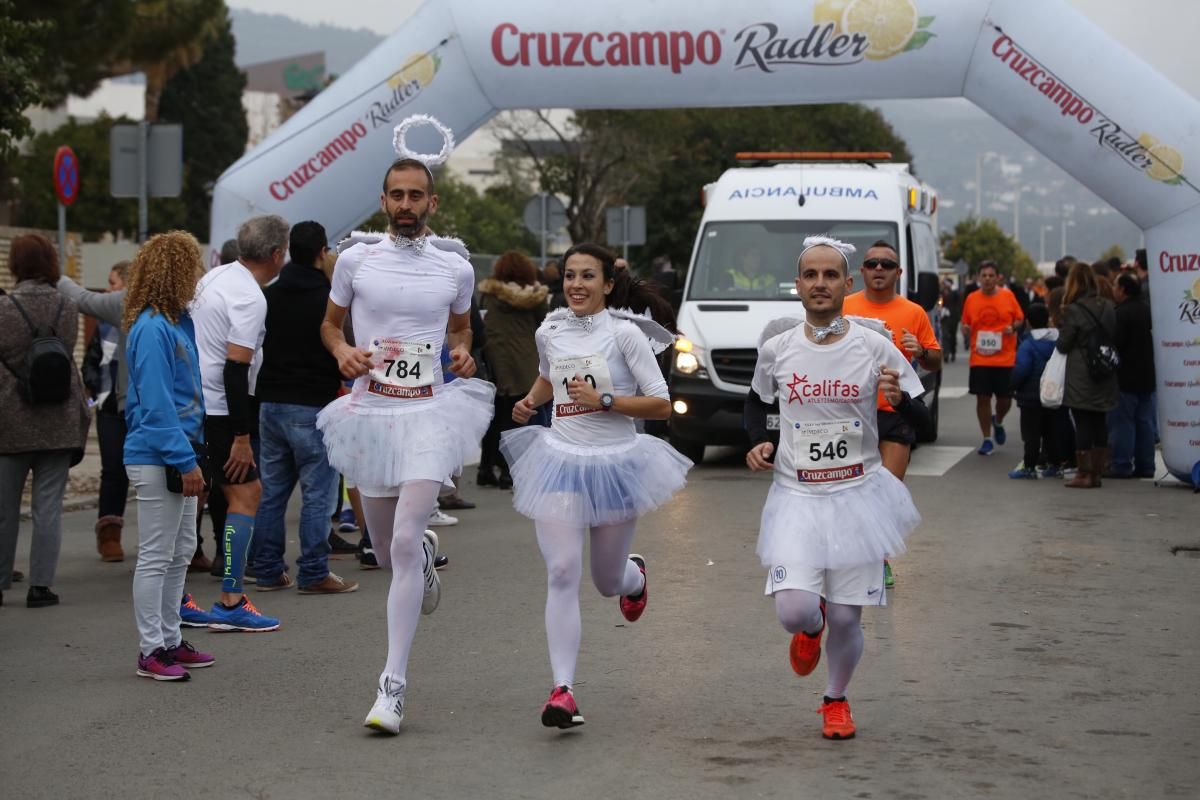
point(860, 525)
point(556, 481)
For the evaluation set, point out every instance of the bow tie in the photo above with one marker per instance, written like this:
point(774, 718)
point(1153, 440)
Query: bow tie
point(581, 322)
point(417, 245)
point(835, 328)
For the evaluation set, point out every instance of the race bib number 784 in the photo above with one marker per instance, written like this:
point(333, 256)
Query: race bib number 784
point(401, 370)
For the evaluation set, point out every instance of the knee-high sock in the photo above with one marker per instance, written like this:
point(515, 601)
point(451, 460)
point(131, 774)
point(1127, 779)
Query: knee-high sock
point(562, 549)
point(843, 646)
point(239, 530)
point(612, 571)
point(799, 611)
point(397, 526)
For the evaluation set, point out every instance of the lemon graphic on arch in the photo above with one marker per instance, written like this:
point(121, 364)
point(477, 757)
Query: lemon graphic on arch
point(889, 25)
point(1166, 162)
point(419, 68)
point(830, 11)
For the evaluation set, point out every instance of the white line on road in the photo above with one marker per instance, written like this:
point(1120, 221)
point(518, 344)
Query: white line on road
point(933, 461)
point(952, 392)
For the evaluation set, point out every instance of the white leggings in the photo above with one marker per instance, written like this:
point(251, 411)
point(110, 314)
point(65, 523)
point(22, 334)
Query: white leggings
point(800, 612)
point(612, 573)
point(397, 525)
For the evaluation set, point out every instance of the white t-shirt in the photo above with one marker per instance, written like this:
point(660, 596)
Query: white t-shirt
point(828, 430)
point(229, 308)
point(403, 297)
point(624, 366)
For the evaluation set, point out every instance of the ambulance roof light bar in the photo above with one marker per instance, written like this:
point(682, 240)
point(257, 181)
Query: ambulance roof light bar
point(770, 157)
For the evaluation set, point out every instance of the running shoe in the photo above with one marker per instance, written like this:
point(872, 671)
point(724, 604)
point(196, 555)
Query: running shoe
point(889, 580)
point(440, 519)
point(632, 607)
point(805, 650)
point(454, 503)
point(346, 522)
point(1052, 471)
point(1023, 473)
point(998, 431)
point(284, 581)
point(161, 667)
point(192, 615)
point(189, 657)
point(388, 712)
point(441, 561)
point(839, 722)
point(986, 448)
point(433, 584)
point(560, 710)
point(340, 547)
point(366, 553)
point(242, 617)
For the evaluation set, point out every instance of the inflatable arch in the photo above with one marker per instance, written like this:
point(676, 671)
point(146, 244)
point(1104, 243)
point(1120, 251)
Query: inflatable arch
point(1113, 122)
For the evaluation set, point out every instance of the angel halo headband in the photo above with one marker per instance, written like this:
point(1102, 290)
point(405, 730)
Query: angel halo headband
point(845, 249)
point(400, 144)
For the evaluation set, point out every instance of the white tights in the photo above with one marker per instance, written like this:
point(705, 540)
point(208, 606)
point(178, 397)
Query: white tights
point(800, 612)
point(397, 525)
point(612, 573)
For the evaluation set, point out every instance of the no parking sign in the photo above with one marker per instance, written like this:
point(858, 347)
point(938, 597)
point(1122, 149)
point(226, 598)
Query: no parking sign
point(66, 175)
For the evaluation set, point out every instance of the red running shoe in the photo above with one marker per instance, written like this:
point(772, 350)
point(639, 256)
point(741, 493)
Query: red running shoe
point(560, 710)
point(632, 607)
point(189, 657)
point(805, 650)
point(839, 722)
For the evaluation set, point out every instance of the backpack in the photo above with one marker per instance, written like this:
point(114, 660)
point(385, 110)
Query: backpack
point(45, 377)
point(1100, 355)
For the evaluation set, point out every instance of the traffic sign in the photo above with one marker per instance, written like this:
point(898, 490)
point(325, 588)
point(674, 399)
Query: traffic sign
point(548, 219)
point(625, 225)
point(66, 175)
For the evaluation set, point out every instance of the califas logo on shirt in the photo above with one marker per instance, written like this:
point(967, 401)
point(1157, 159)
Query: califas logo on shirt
point(801, 390)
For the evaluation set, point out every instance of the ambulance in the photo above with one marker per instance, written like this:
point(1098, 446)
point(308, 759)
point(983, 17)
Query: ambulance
point(743, 269)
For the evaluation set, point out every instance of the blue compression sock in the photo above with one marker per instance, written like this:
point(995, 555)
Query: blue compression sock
point(239, 529)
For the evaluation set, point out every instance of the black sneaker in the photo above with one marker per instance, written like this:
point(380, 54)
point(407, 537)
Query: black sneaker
point(441, 561)
point(40, 597)
point(366, 554)
point(340, 547)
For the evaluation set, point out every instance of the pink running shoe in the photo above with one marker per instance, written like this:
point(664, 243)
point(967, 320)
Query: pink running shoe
point(560, 710)
point(189, 657)
point(161, 667)
point(632, 608)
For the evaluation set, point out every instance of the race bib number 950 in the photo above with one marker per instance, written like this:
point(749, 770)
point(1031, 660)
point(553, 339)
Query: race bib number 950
point(988, 343)
point(401, 370)
point(592, 369)
point(828, 451)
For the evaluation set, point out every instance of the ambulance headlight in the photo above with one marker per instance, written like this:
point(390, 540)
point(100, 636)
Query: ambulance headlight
point(687, 363)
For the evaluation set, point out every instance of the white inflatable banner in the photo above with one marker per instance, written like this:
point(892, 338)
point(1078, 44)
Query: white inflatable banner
point(1111, 121)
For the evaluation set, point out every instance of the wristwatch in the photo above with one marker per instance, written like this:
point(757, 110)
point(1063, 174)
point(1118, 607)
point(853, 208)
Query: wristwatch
point(606, 402)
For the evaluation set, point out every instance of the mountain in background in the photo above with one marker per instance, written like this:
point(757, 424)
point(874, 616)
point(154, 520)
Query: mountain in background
point(945, 137)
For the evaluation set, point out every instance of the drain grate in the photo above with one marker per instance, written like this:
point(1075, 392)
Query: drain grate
point(1189, 550)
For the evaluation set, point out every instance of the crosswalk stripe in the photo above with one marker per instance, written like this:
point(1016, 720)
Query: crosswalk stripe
point(933, 461)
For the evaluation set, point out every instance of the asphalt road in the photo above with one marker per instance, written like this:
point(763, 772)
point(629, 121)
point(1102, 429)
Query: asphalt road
point(1040, 642)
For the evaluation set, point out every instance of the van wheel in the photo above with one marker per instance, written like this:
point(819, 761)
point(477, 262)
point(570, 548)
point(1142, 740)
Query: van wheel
point(694, 451)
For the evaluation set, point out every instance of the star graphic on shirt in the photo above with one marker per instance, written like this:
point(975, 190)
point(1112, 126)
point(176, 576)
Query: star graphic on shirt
point(793, 386)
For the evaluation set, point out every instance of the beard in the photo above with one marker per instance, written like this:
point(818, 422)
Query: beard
point(409, 225)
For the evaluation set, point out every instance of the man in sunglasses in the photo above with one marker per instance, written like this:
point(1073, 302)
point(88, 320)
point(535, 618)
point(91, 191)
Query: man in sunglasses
point(990, 320)
point(911, 333)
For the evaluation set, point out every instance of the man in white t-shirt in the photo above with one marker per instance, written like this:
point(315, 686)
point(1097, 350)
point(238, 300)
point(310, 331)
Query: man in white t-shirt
point(230, 315)
point(833, 513)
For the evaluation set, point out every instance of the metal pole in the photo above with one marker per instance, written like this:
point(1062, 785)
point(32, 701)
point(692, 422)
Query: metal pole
point(978, 183)
point(1063, 244)
point(545, 224)
point(625, 233)
point(143, 180)
point(62, 238)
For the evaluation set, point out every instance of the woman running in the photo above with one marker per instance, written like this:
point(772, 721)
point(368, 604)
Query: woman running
point(591, 470)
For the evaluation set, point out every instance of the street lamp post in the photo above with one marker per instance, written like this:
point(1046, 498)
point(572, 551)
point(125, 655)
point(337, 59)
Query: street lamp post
point(1042, 243)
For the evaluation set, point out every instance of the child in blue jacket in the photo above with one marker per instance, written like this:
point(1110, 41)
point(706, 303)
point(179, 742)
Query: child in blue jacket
point(1038, 431)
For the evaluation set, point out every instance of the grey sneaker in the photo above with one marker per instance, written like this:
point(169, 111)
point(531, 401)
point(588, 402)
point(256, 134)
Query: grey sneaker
point(388, 712)
point(433, 584)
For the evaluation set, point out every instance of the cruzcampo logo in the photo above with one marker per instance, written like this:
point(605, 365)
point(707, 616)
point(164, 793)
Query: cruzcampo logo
point(1166, 163)
point(891, 27)
point(419, 69)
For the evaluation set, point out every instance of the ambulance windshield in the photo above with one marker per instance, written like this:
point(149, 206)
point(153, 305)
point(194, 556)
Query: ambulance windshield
point(746, 260)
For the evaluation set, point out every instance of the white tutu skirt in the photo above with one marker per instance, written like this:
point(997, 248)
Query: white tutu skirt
point(383, 447)
point(555, 481)
point(860, 525)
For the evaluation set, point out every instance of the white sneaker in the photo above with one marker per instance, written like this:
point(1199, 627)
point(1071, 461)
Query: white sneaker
point(388, 712)
point(440, 519)
point(433, 584)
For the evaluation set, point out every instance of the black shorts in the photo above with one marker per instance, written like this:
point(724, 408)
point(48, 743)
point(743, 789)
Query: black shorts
point(990, 381)
point(218, 436)
point(895, 428)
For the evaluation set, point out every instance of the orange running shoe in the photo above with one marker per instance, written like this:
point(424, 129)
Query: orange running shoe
point(805, 650)
point(839, 722)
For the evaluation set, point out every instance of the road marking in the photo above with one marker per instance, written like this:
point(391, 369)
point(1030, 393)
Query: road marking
point(933, 461)
point(953, 392)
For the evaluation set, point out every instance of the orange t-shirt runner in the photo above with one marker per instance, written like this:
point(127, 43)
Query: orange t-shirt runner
point(899, 315)
point(987, 317)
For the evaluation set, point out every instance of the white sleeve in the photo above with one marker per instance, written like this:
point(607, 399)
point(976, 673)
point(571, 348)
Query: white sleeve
point(539, 337)
point(910, 382)
point(341, 290)
point(763, 381)
point(639, 355)
point(247, 318)
point(466, 287)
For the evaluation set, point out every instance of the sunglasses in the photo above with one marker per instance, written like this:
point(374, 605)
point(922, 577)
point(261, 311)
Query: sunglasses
point(881, 263)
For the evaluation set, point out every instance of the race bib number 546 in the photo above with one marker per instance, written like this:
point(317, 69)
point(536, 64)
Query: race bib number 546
point(828, 451)
point(593, 369)
point(401, 370)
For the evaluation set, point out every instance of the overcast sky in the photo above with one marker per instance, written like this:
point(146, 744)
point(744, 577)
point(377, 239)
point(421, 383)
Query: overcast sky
point(1163, 32)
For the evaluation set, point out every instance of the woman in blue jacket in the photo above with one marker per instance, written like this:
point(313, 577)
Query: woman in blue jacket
point(1038, 424)
point(164, 411)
